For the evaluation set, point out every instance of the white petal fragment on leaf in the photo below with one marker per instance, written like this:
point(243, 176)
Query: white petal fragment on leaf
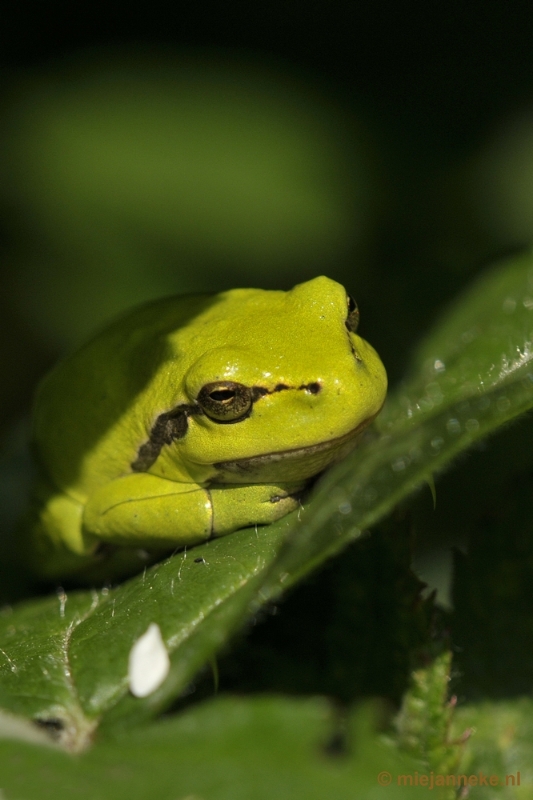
point(148, 662)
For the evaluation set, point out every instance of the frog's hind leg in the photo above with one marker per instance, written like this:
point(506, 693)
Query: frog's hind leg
point(54, 525)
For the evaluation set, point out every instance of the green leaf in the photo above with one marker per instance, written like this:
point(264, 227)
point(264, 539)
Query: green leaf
point(500, 745)
point(483, 343)
point(35, 663)
point(64, 660)
point(227, 749)
point(196, 598)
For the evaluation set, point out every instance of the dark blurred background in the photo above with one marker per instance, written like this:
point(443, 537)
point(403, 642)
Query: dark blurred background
point(153, 149)
point(149, 150)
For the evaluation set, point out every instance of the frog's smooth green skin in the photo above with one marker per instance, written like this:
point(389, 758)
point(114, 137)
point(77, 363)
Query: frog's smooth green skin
point(192, 417)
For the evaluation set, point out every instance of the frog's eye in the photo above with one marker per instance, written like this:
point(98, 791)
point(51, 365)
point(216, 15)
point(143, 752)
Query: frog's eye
point(352, 320)
point(225, 401)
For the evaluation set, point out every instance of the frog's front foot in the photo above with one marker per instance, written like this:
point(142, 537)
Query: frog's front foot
point(236, 506)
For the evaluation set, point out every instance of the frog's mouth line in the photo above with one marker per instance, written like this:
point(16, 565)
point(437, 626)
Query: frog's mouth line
point(253, 464)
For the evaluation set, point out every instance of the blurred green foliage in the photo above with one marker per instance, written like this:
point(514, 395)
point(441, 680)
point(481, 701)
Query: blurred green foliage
point(137, 177)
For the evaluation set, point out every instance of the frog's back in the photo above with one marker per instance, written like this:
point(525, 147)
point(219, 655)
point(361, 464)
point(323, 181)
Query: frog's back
point(95, 395)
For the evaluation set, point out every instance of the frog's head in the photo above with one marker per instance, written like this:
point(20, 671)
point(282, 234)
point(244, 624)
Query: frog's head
point(283, 384)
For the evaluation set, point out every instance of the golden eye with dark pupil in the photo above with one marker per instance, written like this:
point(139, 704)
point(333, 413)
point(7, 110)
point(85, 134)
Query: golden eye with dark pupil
point(225, 401)
point(352, 320)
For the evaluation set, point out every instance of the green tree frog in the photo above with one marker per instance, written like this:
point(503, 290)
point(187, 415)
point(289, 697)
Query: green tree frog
point(194, 416)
